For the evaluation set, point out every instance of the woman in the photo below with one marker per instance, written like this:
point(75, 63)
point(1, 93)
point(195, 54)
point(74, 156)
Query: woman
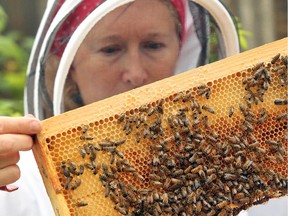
point(135, 44)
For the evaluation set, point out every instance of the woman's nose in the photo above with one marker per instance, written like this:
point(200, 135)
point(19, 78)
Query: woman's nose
point(135, 73)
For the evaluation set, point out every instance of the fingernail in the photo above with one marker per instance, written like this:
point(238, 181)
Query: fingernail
point(29, 116)
point(35, 126)
point(9, 188)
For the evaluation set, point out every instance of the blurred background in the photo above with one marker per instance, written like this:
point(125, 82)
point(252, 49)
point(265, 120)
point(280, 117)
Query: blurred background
point(259, 22)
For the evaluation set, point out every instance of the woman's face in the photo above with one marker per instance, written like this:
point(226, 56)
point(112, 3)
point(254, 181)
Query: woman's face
point(132, 46)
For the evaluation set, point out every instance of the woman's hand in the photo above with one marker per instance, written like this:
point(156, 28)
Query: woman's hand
point(15, 136)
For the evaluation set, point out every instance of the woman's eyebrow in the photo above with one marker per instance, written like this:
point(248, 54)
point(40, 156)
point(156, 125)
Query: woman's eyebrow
point(111, 38)
point(117, 38)
point(157, 35)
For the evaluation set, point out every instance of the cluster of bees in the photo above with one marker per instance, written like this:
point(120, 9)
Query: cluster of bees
point(193, 170)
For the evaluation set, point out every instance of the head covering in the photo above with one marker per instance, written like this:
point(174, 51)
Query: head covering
point(63, 19)
point(83, 10)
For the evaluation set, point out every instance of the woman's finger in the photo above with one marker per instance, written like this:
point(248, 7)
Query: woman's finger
point(19, 125)
point(10, 143)
point(9, 159)
point(9, 175)
point(9, 188)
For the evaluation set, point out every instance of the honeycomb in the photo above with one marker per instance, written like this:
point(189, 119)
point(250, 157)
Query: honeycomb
point(210, 141)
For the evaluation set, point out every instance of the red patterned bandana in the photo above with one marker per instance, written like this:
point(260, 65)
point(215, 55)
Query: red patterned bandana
point(83, 10)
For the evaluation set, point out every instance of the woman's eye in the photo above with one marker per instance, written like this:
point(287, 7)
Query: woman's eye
point(153, 45)
point(110, 50)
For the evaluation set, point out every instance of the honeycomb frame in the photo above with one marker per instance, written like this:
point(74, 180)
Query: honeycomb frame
point(144, 129)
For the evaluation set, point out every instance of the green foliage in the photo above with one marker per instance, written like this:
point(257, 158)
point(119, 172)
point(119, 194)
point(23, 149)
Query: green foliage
point(214, 39)
point(3, 19)
point(14, 53)
point(243, 35)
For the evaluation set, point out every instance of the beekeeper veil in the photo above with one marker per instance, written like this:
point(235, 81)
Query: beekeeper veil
point(65, 24)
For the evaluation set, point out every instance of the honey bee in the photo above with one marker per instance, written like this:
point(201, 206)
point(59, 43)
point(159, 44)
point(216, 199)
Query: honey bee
point(81, 169)
point(178, 97)
point(229, 159)
point(72, 165)
point(257, 66)
point(231, 111)
point(170, 121)
point(280, 102)
point(247, 125)
point(196, 122)
point(111, 149)
point(197, 169)
point(81, 204)
point(123, 189)
point(230, 176)
point(239, 196)
point(177, 137)
point(76, 184)
point(285, 60)
point(143, 108)
point(128, 129)
point(211, 213)
point(138, 138)
point(129, 169)
point(248, 103)
point(119, 153)
point(267, 79)
point(202, 174)
point(211, 171)
point(65, 171)
point(177, 172)
point(205, 121)
point(121, 117)
point(247, 164)
point(140, 177)
point(208, 109)
point(262, 119)
point(145, 133)
point(68, 182)
point(187, 97)
point(84, 128)
point(151, 111)
point(198, 206)
point(165, 199)
point(156, 184)
point(191, 198)
point(211, 138)
point(275, 58)
point(272, 142)
point(89, 166)
point(159, 107)
point(282, 150)
point(222, 204)
point(121, 210)
point(245, 200)
point(113, 198)
point(86, 138)
point(154, 177)
point(184, 109)
point(184, 191)
point(281, 116)
point(167, 183)
point(211, 178)
point(107, 190)
point(120, 142)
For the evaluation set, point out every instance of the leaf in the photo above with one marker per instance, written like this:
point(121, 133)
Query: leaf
point(10, 49)
point(3, 19)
